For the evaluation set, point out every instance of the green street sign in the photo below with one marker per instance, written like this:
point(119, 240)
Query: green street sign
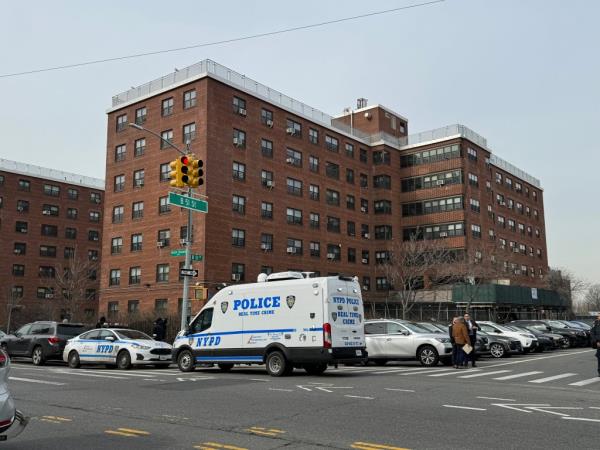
point(180, 252)
point(197, 257)
point(183, 201)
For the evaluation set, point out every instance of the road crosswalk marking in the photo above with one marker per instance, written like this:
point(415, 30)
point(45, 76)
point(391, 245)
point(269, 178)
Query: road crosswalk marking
point(484, 374)
point(518, 375)
point(585, 382)
point(555, 377)
point(453, 372)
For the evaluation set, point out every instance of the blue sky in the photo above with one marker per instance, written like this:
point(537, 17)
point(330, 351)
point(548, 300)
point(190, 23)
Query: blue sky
point(524, 74)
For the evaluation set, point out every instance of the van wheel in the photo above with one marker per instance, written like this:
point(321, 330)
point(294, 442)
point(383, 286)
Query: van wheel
point(185, 361)
point(124, 360)
point(37, 356)
point(277, 365)
point(74, 361)
point(225, 367)
point(315, 369)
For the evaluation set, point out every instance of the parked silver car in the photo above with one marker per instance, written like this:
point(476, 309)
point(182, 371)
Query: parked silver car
point(400, 340)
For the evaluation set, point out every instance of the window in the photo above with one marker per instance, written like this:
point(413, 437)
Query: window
point(473, 180)
point(21, 227)
point(120, 152)
point(141, 115)
point(51, 190)
point(44, 292)
point(363, 155)
point(534, 195)
point(518, 187)
point(116, 245)
point(238, 237)
point(434, 231)
point(313, 191)
point(382, 181)
point(1, 180)
point(161, 304)
point(189, 133)
point(521, 228)
point(315, 220)
point(189, 99)
point(239, 171)
point(93, 235)
point(266, 117)
point(511, 203)
point(163, 205)
point(238, 271)
point(167, 106)
point(72, 194)
point(137, 210)
point(519, 207)
point(22, 206)
point(162, 273)
point(121, 122)
point(381, 157)
point(140, 147)
point(48, 251)
point(313, 163)
point(476, 231)
point(474, 205)
point(349, 150)
point(20, 248)
point(95, 197)
point(383, 207)
point(382, 257)
point(165, 171)
point(46, 272)
point(266, 148)
point(472, 154)
point(266, 242)
point(119, 183)
point(94, 216)
point(432, 206)
point(166, 139)
point(511, 225)
point(294, 246)
point(313, 136)
point(431, 181)
point(117, 215)
point(294, 216)
point(536, 214)
point(350, 228)
point(135, 275)
point(351, 255)
point(266, 210)
point(333, 197)
point(294, 187)
point(332, 144)
point(239, 138)
point(498, 178)
point(293, 157)
point(238, 204)
point(239, 106)
point(364, 231)
point(266, 178)
point(350, 202)
point(509, 182)
point(315, 249)
point(18, 270)
point(138, 178)
point(164, 238)
point(137, 241)
point(332, 170)
point(333, 224)
point(49, 230)
point(383, 232)
point(334, 252)
point(293, 128)
point(24, 185)
point(366, 283)
point(492, 235)
point(381, 284)
point(430, 156)
point(501, 221)
point(71, 233)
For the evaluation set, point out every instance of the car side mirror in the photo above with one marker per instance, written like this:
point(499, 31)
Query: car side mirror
point(18, 334)
point(186, 330)
point(405, 332)
point(549, 328)
point(109, 338)
point(498, 331)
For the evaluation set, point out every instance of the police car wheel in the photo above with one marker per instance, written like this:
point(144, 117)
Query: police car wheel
point(124, 360)
point(315, 369)
point(185, 361)
point(225, 367)
point(74, 361)
point(277, 366)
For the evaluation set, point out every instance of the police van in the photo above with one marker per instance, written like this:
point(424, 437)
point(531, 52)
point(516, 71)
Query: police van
point(285, 320)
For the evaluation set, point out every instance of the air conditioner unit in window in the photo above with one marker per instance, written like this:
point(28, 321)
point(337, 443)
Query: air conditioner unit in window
point(269, 183)
point(515, 250)
point(17, 251)
point(160, 244)
point(330, 256)
point(242, 112)
point(502, 203)
point(236, 277)
point(365, 287)
point(97, 201)
point(290, 131)
point(363, 209)
point(94, 258)
point(270, 123)
point(20, 208)
point(49, 295)
point(291, 250)
point(440, 182)
point(46, 212)
point(517, 272)
point(366, 235)
point(290, 160)
point(365, 261)
point(95, 238)
point(264, 246)
point(23, 230)
point(443, 234)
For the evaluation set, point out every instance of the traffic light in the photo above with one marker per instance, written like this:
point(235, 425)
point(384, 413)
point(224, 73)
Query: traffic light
point(195, 173)
point(178, 171)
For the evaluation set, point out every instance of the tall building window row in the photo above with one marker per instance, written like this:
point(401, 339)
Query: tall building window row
point(432, 181)
point(430, 156)
point(434, 231)
point(432, 206)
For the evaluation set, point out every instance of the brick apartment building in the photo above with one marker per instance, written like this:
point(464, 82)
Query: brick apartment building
point(46, 217)
point(291, 188)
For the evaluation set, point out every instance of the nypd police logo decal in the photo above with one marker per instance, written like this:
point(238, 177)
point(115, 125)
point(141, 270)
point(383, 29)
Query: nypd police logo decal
point(224, 306)
point(291, 301)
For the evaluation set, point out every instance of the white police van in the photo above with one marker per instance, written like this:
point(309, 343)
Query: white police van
point(285, 320)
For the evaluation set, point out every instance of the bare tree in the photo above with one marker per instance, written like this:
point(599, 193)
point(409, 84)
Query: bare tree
point(592, 298)
point(73, 284)
point(568, 285)
point(12, 303)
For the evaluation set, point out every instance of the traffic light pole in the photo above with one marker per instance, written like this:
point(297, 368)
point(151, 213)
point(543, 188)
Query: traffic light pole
point(188, 259)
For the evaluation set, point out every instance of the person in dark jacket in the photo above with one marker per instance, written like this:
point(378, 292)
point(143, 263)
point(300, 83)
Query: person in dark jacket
point(595, 338)
point(160, 329)
point(101, 322)
point(472, 328)
point(461, 337)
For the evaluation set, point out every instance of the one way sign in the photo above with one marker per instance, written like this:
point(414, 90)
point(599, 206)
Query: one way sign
point(188, 272)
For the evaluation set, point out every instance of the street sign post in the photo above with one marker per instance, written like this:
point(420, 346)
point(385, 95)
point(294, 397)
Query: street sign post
point(184, 201)
point(188, 272)
point(178, 252)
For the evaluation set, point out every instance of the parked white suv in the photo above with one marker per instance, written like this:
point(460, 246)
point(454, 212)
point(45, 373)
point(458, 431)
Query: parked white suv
point(528, 341)
point(401, 340)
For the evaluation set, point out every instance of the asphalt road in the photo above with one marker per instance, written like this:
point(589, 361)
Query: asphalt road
point(549, 401)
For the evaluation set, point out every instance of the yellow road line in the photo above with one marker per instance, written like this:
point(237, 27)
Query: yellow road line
point(119, 433)
point(228, 447)
point(50, 420)
point(201, 447)
point(370, 446)
point(262, 433)
point(62, 419)
point(269, 430)
point(131, 430)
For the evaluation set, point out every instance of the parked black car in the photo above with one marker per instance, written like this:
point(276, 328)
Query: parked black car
point(500, 346)
point(41, 341)
point(558, 340)
point(576, 337)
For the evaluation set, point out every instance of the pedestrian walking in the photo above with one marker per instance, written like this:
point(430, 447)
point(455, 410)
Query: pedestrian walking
point(472, 328)
point(595, 338)
point(160, 329)
point(461, 338)
point(101, 322)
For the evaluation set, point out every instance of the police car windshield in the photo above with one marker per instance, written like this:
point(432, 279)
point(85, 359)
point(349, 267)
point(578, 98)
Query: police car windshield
point(132, 334)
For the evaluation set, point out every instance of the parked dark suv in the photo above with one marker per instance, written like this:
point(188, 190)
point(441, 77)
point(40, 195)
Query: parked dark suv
point(41, 341)
point(576, 336)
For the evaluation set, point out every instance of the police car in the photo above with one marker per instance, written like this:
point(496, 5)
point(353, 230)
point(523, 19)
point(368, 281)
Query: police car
point(120, 346)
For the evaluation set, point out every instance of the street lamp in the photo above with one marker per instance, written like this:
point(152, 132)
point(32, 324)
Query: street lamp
point(188, 237)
